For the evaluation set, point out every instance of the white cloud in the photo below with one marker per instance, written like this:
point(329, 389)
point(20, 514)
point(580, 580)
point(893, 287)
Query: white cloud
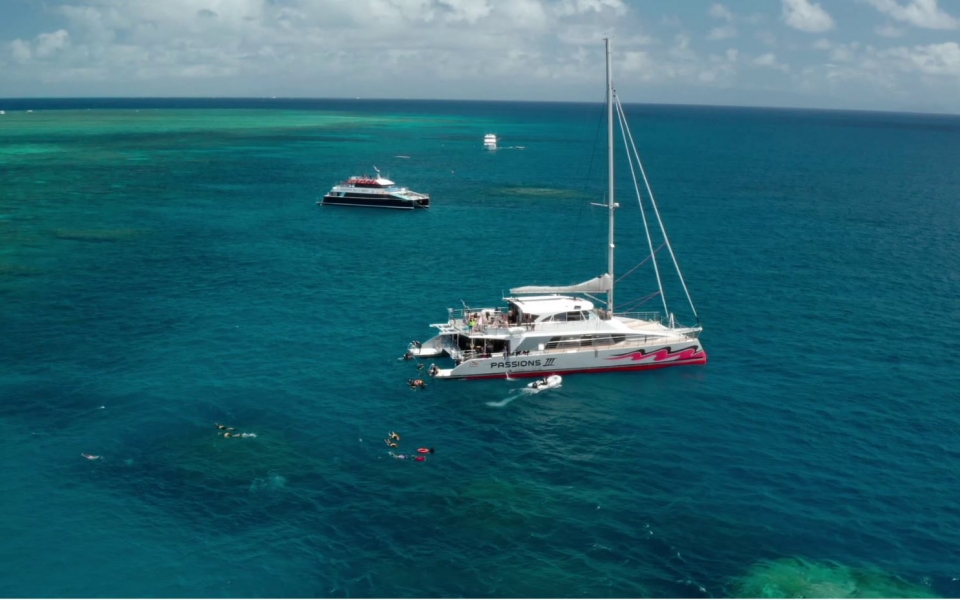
point(844, 52)
point(889, 31)
point(680, 65)
point(770, 60)
point(506, 49)
point(294, 47)
point(933, 59)
point(719, 11)
point(45, 45)
point(577, 7)
point(802, 15)
point(892, 73)
point(722, 33)
point(920, 13)
point(20, 50)
point(51, 43)
point(767, 38)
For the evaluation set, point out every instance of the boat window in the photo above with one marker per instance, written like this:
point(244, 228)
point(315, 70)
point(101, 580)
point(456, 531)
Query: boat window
point(584, 341)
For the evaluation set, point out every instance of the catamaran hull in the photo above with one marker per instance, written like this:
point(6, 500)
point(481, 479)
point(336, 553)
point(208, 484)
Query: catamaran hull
point(375, 202)
point(601, 361)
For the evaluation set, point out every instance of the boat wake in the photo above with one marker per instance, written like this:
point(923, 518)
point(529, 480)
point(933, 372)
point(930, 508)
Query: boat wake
point(514, 394)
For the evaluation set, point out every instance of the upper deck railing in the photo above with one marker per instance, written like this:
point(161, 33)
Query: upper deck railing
point(498, 321)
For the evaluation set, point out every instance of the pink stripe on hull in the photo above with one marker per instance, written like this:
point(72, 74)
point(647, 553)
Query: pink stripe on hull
point(700, 359)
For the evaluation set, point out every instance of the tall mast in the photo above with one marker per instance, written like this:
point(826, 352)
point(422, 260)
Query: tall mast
point(611, 205)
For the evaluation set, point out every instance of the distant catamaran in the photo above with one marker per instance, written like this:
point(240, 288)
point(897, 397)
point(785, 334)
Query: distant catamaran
point(543, 331)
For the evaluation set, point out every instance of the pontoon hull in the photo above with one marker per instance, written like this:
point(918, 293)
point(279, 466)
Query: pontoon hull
point(374, 202)
point(566, 363)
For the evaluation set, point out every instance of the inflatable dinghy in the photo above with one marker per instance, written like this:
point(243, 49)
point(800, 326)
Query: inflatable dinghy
point(546, 383)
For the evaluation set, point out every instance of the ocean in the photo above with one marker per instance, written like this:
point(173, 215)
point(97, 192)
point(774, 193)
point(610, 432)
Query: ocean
point(164, 267)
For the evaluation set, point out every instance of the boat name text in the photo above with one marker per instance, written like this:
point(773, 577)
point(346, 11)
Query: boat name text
point(513, 364)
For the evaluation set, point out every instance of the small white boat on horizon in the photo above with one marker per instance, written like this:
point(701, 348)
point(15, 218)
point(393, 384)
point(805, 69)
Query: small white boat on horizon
point(490, 141)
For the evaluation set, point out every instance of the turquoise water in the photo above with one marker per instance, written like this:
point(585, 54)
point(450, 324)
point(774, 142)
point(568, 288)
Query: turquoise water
point(164, 266)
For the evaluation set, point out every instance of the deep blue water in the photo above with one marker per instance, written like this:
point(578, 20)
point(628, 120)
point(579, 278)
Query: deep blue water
point(164, 266)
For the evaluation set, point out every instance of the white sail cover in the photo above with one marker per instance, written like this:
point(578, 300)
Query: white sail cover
point(597, 285)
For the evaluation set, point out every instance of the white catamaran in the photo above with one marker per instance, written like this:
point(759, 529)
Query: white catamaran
point(545, 331)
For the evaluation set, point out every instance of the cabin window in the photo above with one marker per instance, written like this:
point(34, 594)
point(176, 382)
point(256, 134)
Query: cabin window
point(584, 341)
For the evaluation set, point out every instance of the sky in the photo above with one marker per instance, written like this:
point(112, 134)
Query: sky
point(900, 55)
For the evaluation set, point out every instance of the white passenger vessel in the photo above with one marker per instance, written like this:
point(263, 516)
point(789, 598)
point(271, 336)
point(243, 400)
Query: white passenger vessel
point(558, 330)
point(374, 192)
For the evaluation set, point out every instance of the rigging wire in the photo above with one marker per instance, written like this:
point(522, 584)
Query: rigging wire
point(623, 132)
point(641, 301)
point(656, 211)
point(639, 264)
point(586, 179)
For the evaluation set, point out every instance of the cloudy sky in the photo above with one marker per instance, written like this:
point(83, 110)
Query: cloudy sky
point(854, 54)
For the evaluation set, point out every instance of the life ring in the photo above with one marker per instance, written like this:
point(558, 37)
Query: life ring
point(423, 450)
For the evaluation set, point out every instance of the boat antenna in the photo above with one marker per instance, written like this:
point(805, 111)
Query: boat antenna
point(377, 170)
point(611, 205)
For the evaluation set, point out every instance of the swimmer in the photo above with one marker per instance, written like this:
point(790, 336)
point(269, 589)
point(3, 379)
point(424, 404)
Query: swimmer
point(408, 355)
point(394, 436)
point(416, 383)
point(399, 456)
point(90, 456)
point(390, 443)
point(223, 427)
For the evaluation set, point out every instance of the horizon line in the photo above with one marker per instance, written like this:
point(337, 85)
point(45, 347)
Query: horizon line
point(19, 99)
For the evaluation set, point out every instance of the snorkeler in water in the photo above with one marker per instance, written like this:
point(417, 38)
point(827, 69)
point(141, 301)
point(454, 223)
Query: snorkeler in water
point(394, 436)
point(390, 443)
point(223, 427)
